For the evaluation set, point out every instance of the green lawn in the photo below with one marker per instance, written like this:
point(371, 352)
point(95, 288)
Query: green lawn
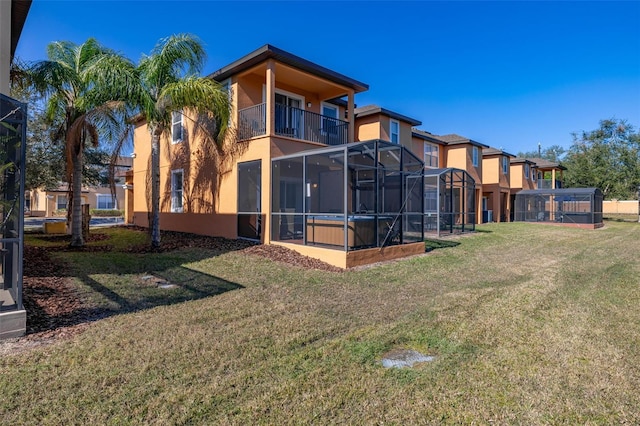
point(529, 324)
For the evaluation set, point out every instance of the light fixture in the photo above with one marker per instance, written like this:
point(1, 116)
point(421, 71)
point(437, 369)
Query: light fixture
point(308, 104)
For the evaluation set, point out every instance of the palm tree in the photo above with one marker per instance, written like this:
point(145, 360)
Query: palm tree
point(85, 88)
point(170, 83)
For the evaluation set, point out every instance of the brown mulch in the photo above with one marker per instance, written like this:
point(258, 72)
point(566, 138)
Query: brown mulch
point(54, 309)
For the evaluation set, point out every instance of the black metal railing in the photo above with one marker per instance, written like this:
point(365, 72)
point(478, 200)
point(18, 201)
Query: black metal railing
point(294, 123)
point(309, 126)
point(252, 122)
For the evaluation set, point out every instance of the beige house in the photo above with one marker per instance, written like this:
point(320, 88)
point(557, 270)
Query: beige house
point(47, 202)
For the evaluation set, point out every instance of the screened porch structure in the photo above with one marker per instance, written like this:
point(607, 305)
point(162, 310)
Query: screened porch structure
point(13, 122)
point(566, 205)
point(449, 201)
point(349, 197)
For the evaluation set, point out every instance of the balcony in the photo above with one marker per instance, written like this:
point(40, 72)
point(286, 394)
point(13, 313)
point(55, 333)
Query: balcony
point(294, 123)
point(548, 184)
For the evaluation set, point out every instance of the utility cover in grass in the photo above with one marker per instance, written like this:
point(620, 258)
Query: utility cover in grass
point(158, 282)
point(404, 358)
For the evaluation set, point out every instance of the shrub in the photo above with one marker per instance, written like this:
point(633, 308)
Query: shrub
point(106, 213)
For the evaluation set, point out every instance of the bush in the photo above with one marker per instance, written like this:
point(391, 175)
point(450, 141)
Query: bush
point(106, 213)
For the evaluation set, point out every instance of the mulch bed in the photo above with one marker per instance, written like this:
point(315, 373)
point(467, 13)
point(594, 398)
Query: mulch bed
point(55, 311)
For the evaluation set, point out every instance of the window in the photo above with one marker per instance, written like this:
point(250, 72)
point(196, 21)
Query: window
point(474, 156)
point(505, 165)
point(176, 126)
point(61, 202)
point(329, 118)
point(249, 199)
point(105, 202)
point(394, 131)
point(526, 171)
point(431, 155)
point(176, 191)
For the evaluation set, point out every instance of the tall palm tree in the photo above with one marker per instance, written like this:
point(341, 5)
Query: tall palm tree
point(170, 83)
point(85, 88)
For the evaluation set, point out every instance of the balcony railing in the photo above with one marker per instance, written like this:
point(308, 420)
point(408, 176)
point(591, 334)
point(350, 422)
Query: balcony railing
point(293, 122)
point(252, 122)
point(547, 184)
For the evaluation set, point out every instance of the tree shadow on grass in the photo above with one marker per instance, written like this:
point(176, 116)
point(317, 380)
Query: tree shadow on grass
point(431, 244)
point(111, 282)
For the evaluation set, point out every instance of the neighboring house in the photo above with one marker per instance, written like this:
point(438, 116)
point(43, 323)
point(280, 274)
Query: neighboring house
point(432, 149)
point(374, 122)
point(465, 154)
point(522, 176)
point(549, 174)
point(295, 176)
point(496, 185)
point(53, 201)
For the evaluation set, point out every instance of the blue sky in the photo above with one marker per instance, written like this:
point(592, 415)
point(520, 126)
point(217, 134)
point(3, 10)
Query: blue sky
point(507, 74)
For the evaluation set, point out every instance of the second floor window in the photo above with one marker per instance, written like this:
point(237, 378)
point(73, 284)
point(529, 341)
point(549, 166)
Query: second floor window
point(176, 191)
point(431, 155)
point(526, 171)
point(176, 126)
point(505, 165)
point(394, 131)
point(474, 156)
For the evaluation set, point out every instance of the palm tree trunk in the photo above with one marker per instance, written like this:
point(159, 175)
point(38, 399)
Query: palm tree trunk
point(76, 204)
point(155, 187)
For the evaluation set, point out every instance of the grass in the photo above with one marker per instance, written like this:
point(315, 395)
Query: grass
point(530, 324)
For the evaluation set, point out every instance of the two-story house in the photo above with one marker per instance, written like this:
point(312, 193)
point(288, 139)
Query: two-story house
point(466, 154)
point(375, 122)
point(549, 174)
point(522, 175)
point(294, 175)
point(496, 186)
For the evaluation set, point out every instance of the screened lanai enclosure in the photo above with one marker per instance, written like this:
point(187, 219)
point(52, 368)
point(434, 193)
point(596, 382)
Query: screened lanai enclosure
point(13, 117)
point(349, 197)
point(450, 201)
point(566, 205)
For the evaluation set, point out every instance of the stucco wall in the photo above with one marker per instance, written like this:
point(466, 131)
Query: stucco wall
point(620, 206)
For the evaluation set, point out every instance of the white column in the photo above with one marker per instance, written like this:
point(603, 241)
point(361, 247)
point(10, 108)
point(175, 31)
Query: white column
point(271, 96)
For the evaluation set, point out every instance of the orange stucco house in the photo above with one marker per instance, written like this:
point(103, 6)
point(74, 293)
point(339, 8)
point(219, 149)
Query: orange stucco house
point(276, 181)
point(496, 185)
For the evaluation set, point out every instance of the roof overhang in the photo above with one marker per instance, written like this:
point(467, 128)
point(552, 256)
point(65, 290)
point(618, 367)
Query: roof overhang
point(19, 12)
point(375, 109)
point(271, 52)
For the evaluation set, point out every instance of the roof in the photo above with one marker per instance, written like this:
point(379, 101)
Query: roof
point(541, 163)
point(560, 191)
point(423, 134)
point(375, 109)
point(495, 151)
point(518, 160)
point(19, 12)
point(268, 51)
point(453, 139)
